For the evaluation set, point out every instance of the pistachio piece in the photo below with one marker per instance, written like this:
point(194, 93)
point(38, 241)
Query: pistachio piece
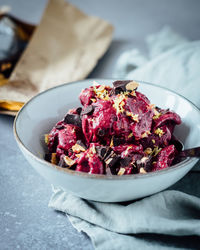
point(53, 158)
point(69, 162)
point(145, 163)
point(111, 142)
point(142, 171)
point(132, 85)
point(121, 171)
point(78, 148)
point(46, 138)
point(148, 151)
point(159, 132)
point(93, 150)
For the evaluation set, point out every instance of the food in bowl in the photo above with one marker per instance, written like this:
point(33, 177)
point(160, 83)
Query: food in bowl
point(117, 131)
point(38, 116)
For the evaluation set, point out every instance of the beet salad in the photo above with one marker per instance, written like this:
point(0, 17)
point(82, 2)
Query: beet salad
point(117, 131)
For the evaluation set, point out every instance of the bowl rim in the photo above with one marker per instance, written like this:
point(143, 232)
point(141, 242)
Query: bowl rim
point(99, 176)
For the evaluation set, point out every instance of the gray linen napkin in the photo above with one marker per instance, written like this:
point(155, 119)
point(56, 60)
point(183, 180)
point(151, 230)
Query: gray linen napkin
point(137, 225)
point(170, 219)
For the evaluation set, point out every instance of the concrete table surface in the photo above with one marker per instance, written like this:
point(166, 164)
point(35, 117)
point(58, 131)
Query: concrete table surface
point(25, 220)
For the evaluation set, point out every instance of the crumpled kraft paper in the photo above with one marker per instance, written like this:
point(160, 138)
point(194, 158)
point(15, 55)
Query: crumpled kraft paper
point(65, 47)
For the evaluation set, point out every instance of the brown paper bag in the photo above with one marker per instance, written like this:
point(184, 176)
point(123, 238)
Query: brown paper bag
point(65, 47)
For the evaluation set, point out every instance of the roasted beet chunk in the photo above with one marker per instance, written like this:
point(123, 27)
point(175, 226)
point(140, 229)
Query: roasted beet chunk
point(136, 106)
point(86, 95)
point(91, 165)
point(165, 157)
point(67, 138)
point(159, 137)
point(168, 117)
point(142, 128)
point(90, 162)
point(142, 97)
point(141, 110)
point(99, 123)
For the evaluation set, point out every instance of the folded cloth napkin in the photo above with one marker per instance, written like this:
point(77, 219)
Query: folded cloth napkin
point(139, 225)
point(170, 219)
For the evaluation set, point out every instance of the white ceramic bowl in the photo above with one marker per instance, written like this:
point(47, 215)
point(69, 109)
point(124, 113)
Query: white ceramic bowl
point(39, 115)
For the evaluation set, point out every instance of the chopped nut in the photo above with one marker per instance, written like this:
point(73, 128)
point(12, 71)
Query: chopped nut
point(78, 155)
point(111, 143)
point(155, 151)
point(46, 138)
point(106, 98)
point(111, 159)
point(145, 134)
point(145, 162)
point(133, 93)
point(148, 151)
point(142, 171)
point(151, 106)
point(153, 141)
point(121, 171)
point(101, 88)
point(126, 93)
point(128, 113)
point(134, 117)
point(101, 92)
point(108, 161)
point(132, 85)
point(68, 161)
point(78, 148)
point(93, 150)
point(93, 99)
point(53, 158)
point(159, 132)
point(126, 151)
point(130, 135)
point(156, 114)
point(144, 159)
point(119, 103)
point(156, 117)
